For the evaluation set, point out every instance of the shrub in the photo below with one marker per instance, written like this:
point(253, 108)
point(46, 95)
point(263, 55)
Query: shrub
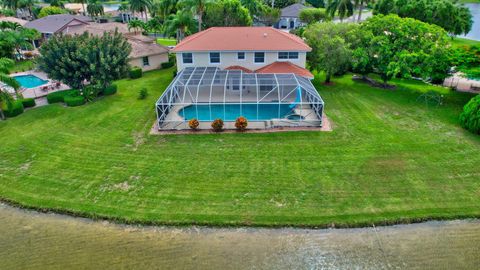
point(28, 102)
point(15, 109)
point(193, 124)
point(143, 93)
point(241, 123)
point(470, 117)
point(110, 90)
point(59, 95)
point(217, 125)
point(73, 101)
point(167, 64)
point(175, 73)
point(135, 73)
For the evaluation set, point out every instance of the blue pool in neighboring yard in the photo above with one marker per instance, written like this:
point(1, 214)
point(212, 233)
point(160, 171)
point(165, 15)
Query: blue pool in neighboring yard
point(30, 81)
point(230, 112)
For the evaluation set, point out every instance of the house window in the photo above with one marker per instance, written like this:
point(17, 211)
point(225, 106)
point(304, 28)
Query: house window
point(145, 61)
point(287, 55)
point(241, 56)
point(187, 58)
point(259, 57)
point(214, 58)
point(265, 87)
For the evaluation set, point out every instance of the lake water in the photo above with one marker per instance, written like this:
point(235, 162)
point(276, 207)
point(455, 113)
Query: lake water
point(475, 32)
point(31, 240)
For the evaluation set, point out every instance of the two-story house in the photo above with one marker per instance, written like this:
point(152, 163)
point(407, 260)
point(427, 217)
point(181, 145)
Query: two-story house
point(255, 72)
point(251, 49)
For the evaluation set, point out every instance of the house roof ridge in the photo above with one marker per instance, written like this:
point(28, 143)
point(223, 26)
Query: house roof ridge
point(290, 36)
point(194, 36)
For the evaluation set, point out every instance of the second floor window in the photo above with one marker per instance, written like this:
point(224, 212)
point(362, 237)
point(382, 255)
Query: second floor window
point(287, 55)
point(214, 57)
point(241, 56)
point(259, 57)
point(187, 58)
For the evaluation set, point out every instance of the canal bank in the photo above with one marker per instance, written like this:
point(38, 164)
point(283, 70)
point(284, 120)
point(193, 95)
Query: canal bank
point(33, 240)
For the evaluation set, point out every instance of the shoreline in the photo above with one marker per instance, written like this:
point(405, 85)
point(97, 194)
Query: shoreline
point(250, 225)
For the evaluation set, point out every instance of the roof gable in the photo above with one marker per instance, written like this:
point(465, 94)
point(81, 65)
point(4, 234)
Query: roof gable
point(242, 39)
point(55, 23)
point(292, 10)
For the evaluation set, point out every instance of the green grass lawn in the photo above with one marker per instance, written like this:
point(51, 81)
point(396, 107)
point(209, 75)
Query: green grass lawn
point(464, 42)
point(388, 159)
point(24, 65)
point(166, 41)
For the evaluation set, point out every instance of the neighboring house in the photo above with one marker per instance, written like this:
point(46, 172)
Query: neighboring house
point(54, 24)
point(290, 17)
point(146, 53)
point(251, 49)
point(14, 20)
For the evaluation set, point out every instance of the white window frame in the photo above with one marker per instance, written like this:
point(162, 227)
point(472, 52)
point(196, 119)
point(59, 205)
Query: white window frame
point(288, 56)
point(148, 61)
point(244, 56)
point(219, 58)
point(259, 63)
point(183, 62)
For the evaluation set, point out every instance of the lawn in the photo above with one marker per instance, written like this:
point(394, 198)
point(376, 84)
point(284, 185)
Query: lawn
point(464, 42)
point(388, 159)
point(21, 66)
point(166, 41)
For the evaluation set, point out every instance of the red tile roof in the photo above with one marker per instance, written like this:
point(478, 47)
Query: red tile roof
point(285, 67)
point(244, 69)
point(242, 39)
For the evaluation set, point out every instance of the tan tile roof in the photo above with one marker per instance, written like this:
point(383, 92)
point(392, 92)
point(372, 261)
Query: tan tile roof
point(98, 28)
point(244, 69)
point(141, 48)
point(13, 19)
point(242, 39)
point(285, 67)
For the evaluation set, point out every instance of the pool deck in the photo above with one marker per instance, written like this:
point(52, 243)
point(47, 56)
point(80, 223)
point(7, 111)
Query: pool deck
point(38, 92)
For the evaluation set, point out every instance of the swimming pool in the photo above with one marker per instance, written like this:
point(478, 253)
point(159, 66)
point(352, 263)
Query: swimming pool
point(29, 81)
point(230, 112)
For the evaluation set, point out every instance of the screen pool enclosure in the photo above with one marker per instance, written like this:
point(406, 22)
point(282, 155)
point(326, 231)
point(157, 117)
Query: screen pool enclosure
point(266, 100)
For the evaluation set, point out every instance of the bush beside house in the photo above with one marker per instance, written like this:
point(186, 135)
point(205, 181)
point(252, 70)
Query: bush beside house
point(135, 73)
point(28, 102)
point(15, 109)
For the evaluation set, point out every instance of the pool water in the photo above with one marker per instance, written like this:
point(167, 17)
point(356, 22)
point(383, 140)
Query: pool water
point(230, 112)
point(30, 81)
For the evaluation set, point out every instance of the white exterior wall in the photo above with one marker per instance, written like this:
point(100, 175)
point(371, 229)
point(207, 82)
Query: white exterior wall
point(202, 59)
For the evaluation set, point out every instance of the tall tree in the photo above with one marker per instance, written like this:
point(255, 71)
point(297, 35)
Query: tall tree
point(80, 59)
point(181, 24)
point(227, 13)
point(141, 6)
point(330, 50)
point(94, 8)
point(343, 8)
point(136, 25)
point(5, 97)
point(198, 7)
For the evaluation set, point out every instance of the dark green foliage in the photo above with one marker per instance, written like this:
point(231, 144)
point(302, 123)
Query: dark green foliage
point(467, 60)
point(280, 3)
point(455, 18)
point(73, 101)
point(143, 93)
point(15, 108)
point(76, 59)
point(313, 15)
point(401, 47)
point(317, 3)
point(135, 73)
point(470, 117)
point(167, 64)
point(28, 102)
point(226, 13)
point(56, 97)
point(110, 90)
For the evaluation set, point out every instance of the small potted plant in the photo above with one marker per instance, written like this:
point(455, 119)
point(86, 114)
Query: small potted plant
point(217, 125)
point(193, 124)
point(241, 123)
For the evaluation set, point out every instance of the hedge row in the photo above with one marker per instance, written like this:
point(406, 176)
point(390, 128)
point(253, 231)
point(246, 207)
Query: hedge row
point(168, 64)
point(135, 73)
point(15, 109)
point(110, 90)
point(59, 96)
point(28, 102)
point(72, 101)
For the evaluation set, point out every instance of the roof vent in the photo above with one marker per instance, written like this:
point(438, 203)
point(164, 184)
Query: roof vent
point(264, 34)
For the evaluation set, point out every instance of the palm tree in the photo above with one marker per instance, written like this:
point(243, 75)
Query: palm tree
point(94, 8)
point(165, 7)
point(344, 8)
point(5, 97)
point(136, 25)
point(141, 6)
point(198, 7)
point(180, 23)
point(11, 4)
point(359, 4)
point(28, 5)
